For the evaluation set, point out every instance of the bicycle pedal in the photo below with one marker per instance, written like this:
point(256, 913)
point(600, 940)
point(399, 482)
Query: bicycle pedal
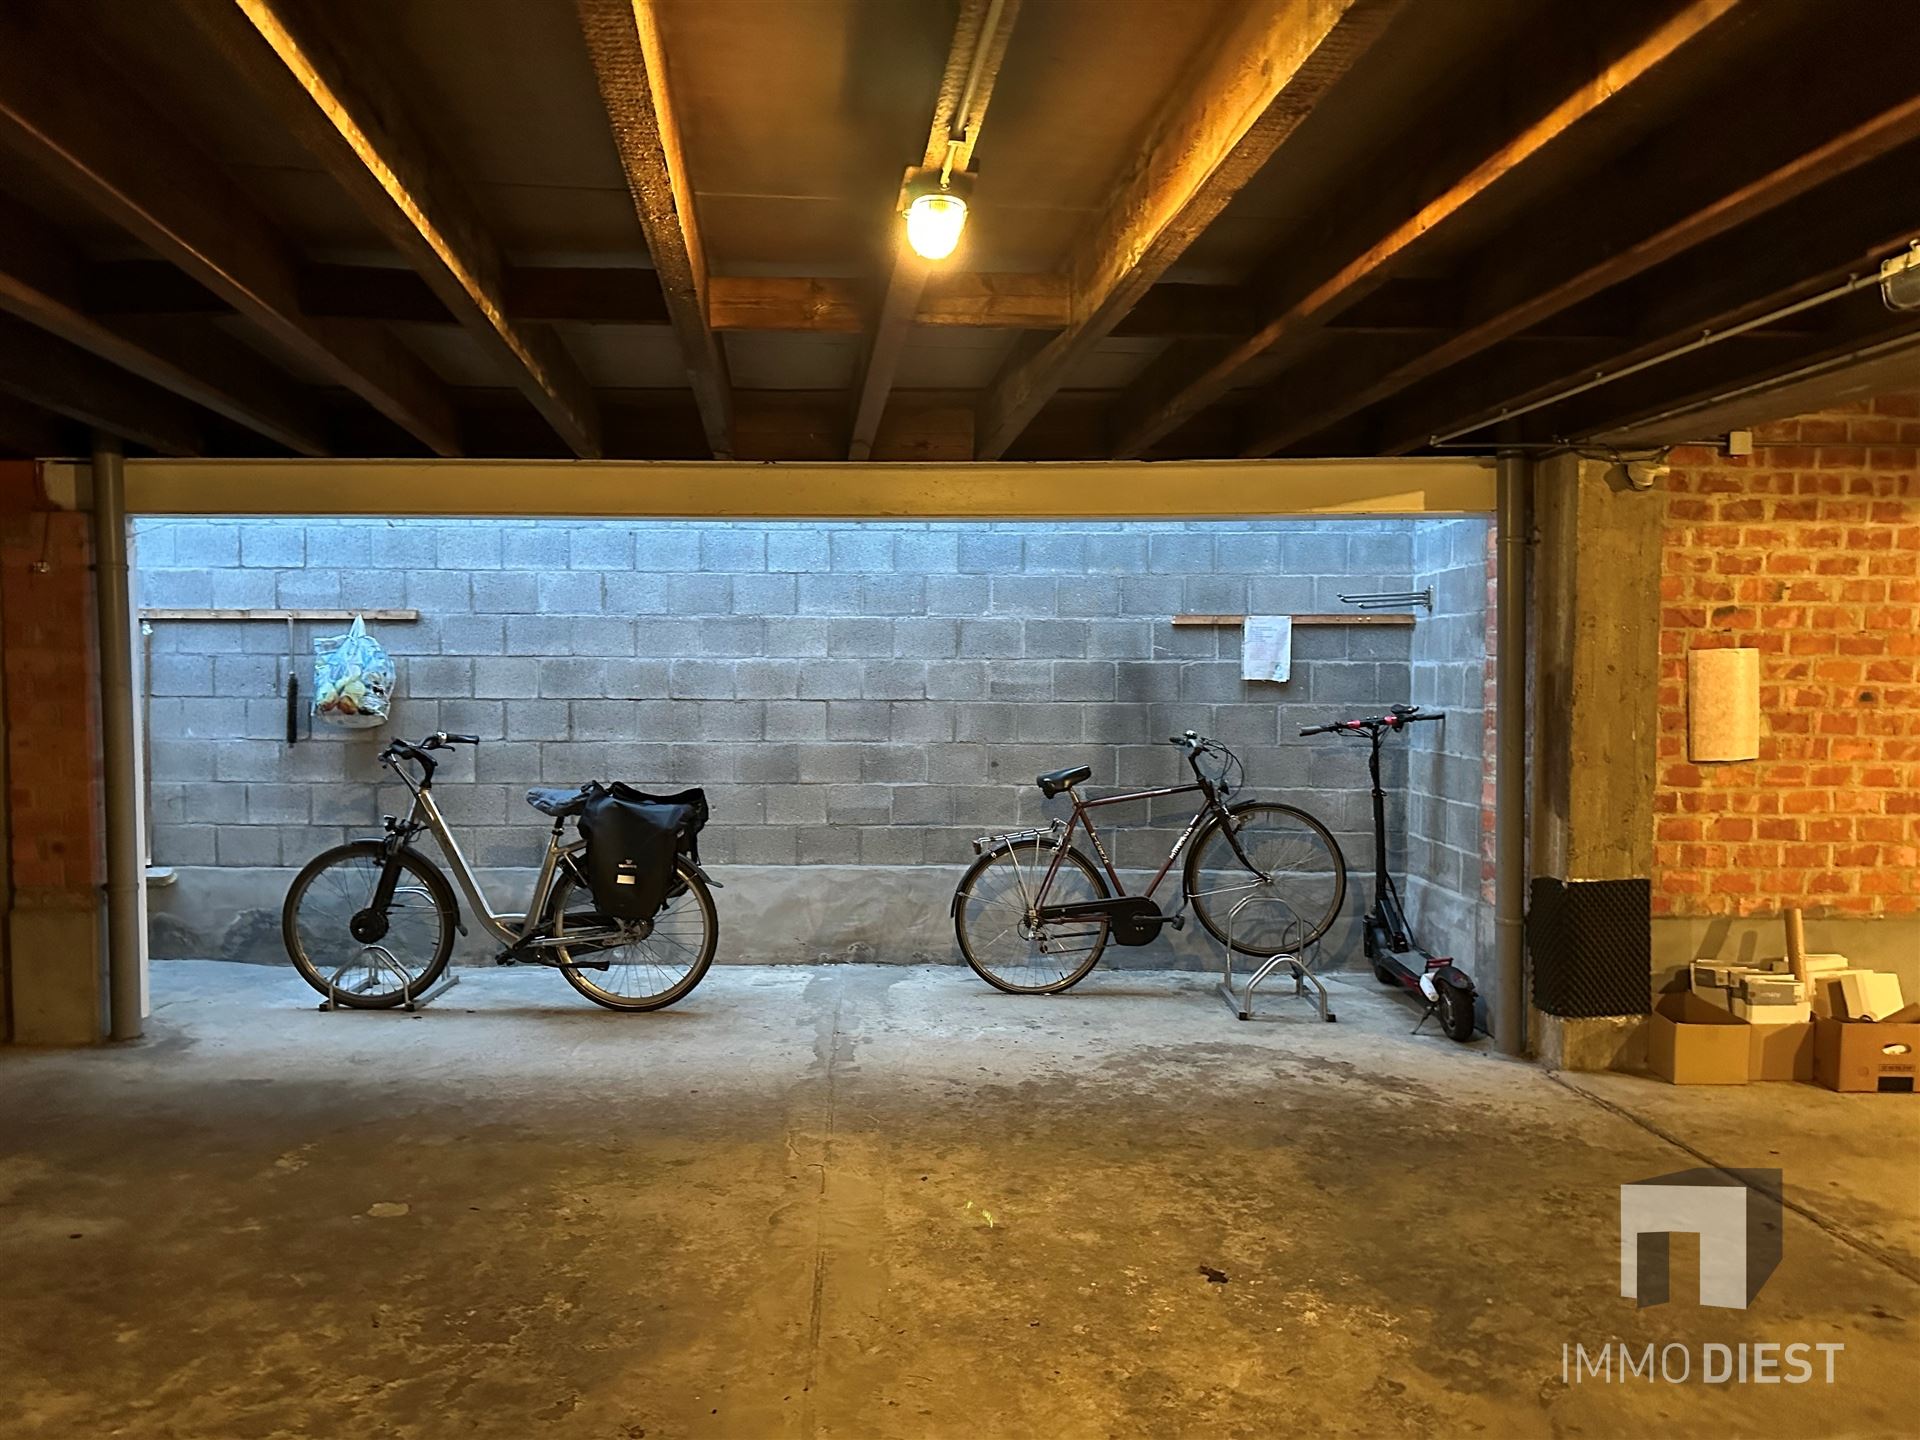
point(1176, 922)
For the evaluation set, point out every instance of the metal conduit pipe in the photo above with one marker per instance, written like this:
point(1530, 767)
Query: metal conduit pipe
point(1701, 342)
point(1513, 519)
point(120, 771)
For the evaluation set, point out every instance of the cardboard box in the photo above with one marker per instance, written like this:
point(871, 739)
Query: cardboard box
point(1694, 1042)
point(1826, 994)
point(1869, 1055)
point(1780, 1052)
point(1867, 995)
point(1770, 1014)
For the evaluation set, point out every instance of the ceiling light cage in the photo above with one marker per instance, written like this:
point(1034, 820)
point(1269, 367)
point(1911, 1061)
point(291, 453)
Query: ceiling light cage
point(935, 202)
point(1900, 279)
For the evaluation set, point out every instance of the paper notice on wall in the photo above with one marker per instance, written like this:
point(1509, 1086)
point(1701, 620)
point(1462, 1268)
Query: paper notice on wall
point(1723, 705)
point(1266, 648)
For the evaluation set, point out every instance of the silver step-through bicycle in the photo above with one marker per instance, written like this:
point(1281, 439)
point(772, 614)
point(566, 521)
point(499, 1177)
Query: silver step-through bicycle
point(371, 923)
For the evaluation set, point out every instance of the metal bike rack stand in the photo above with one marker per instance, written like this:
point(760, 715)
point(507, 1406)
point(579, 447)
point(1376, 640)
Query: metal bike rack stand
point(385, 961)
point(1299, 960)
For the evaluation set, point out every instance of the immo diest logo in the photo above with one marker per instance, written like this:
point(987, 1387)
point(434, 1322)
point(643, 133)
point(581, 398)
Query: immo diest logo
point(1737, 1215)
point(1737, 1220)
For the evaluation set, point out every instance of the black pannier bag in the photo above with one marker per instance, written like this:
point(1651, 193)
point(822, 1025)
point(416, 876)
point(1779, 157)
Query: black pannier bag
point(632, 838)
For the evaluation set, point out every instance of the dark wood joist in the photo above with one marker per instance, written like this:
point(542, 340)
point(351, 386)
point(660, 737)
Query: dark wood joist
point(630, 295)
point(962, 298)
point(50, 373)
point(43, 282)
point(30, 432)
point(629, 64)
point(1838, 231)
point(329, 89)
point(648, 424)
point(980, 35)
point(1745, 155)
point(1264, 76)
point(1360, 246)
point(63, 108)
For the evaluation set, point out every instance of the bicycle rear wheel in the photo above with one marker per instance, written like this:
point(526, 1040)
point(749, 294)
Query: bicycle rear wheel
point(639, 972)
point(993, 917)
point(403, 951)
point(1295, 859)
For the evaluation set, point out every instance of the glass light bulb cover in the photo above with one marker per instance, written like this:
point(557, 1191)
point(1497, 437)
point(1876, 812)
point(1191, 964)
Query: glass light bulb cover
point(934, 223)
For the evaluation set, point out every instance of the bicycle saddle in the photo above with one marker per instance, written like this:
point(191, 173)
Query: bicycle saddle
point(1054, 781)
point(557, 803)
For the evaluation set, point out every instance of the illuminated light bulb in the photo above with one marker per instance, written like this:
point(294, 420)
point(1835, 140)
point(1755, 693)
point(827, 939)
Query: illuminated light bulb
point(934, 223)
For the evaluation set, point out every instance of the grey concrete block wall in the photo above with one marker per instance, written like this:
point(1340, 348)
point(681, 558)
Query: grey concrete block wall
point(858, 693)
point(1448, 764)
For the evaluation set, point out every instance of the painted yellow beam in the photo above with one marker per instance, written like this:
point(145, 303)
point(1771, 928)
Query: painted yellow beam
point(1200, 489)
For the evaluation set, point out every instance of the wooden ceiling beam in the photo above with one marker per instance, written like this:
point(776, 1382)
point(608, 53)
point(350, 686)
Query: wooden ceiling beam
point(629, 64)
point(42, 283)
point(965, 298)
point(1380, 238)
point(1837, 231)
point(1625, 221)
point(979, 44)
point(1222, 123)
point(327, 88)
point(61, 108)
point(50, 373)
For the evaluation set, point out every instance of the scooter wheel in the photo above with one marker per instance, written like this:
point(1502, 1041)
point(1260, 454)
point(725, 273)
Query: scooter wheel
point(1456, 1011)
point(1386, 977)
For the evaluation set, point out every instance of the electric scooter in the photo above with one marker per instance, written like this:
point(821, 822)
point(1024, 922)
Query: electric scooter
point(1398, 959)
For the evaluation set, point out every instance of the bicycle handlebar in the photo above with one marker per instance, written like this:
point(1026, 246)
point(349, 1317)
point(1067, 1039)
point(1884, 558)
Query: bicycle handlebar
point(1395, 718)
point(439, 740)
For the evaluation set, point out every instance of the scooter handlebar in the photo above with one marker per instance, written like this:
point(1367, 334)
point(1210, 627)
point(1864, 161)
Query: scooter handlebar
point(1392, 720)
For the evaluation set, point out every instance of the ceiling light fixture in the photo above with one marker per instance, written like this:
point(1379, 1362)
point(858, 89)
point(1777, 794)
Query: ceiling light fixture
point(1900, 279)
point(934, 201)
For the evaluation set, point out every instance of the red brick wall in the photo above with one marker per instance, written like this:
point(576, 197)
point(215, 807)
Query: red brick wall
point(1809, 551)
point(52, 721)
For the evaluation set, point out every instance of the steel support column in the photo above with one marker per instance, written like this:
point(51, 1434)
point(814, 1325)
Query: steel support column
point(126, 863)
point(1513, 521)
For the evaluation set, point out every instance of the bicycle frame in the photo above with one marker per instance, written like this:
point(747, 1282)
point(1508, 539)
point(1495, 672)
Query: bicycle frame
point(1210, 808)
point(516, 931)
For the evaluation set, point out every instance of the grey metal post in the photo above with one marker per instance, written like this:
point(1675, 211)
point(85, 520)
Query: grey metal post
point(1513, 518)
point(120, 771)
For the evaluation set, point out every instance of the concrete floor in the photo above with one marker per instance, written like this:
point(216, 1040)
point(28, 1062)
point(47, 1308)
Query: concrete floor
point(887, 1201)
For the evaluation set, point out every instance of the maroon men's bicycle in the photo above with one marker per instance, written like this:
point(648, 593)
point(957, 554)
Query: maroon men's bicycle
point(1033, 912)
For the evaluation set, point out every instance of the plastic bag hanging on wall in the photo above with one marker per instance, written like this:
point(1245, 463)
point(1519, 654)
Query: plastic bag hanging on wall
point(352, 678)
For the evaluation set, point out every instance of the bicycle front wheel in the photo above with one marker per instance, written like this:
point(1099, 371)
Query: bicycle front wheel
point(641, 971)
point(995, 918)
point(1265, 851)
point(397, 954)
